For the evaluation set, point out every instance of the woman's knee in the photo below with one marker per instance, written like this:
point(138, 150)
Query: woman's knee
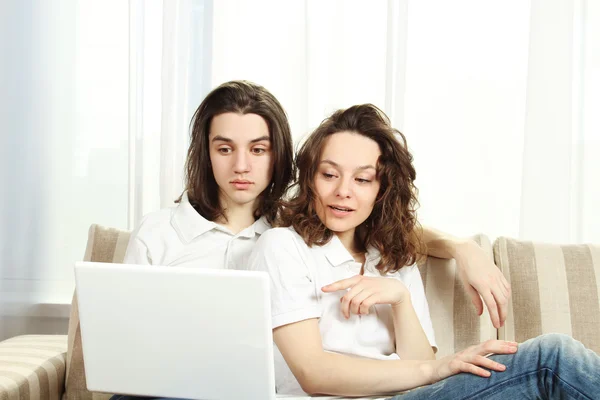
point(556, 341)
point(552, 347)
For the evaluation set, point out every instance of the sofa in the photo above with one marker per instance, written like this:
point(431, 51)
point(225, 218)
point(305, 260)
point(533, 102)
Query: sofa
point(555, 288)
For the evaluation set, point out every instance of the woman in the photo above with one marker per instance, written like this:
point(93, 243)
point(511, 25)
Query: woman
point(349, 310)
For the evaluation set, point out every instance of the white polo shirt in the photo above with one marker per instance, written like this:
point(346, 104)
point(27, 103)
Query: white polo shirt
point(180, 236)
point(297, 274)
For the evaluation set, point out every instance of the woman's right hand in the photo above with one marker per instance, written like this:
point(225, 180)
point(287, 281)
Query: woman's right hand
point(474, 359)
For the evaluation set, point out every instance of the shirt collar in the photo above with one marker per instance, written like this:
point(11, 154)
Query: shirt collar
point(261, 225)
point(257, 228)
point(188, 223)
point(338, 255)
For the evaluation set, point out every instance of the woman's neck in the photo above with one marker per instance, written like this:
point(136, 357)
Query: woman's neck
point(349, 241)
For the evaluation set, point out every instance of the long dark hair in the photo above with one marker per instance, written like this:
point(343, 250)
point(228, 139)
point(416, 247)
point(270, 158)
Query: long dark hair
point(390, 228)
point(240, 97)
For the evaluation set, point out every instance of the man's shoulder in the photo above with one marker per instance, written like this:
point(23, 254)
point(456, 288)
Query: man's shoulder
point(156, 223)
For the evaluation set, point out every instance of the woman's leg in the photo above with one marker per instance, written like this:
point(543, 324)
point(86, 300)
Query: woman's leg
point(551, 366)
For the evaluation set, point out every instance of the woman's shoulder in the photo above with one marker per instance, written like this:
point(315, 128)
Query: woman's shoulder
point(280, 235)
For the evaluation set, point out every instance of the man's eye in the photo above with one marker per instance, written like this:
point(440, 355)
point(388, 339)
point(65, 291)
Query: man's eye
point(224, 150)
point(258, 150)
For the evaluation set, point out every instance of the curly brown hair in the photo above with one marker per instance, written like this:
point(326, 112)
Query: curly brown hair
point(242, 97)
point(392, 226)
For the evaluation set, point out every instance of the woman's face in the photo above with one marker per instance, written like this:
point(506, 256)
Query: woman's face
point(345, 182)
point(240, 156)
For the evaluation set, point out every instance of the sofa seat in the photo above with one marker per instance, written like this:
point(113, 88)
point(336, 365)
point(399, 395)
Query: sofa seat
point(33, 367)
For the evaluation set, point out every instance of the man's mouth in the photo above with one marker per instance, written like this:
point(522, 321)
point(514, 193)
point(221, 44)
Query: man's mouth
point(241, 184)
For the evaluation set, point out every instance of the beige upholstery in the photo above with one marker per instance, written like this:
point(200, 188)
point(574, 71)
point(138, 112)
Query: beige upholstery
point(32, 367)
point(554, 289)
point(104, 245)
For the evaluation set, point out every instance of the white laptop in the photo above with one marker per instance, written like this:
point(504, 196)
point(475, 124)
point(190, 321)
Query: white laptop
point(189, 333)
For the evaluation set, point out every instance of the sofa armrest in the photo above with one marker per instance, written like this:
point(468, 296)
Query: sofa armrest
point(33, 366)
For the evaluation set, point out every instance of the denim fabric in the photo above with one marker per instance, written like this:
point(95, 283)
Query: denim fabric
point(551, 366)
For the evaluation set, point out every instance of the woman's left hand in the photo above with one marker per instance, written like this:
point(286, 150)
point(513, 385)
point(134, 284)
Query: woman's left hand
point(367, 291)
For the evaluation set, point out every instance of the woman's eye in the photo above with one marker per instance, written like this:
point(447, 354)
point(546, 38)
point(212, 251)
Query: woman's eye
point(224, 150)
point(328, 176)
point(258, 150)
point(362, 180)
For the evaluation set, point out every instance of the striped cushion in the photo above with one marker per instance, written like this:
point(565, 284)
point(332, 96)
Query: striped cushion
point(455, 320)
point(104, 245)
point(555, 288)
point(32, 367)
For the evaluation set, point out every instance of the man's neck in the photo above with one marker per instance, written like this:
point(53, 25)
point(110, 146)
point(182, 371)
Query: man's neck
point(238, 216)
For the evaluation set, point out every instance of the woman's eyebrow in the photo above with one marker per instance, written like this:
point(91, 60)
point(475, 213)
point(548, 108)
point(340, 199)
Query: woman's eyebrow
point(336, 165)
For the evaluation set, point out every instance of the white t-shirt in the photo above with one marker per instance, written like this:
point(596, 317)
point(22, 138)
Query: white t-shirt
point(297, 274)
point(180, 236)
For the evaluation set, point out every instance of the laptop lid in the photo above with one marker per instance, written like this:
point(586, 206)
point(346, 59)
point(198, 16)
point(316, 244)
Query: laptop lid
point(176, 332)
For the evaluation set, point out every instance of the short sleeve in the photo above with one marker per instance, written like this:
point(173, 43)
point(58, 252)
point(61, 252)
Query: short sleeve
point(419, 301)
point(293, 290)
point(137, 251)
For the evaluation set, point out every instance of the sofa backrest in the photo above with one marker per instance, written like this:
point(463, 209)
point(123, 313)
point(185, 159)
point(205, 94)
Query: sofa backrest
point(455, 321)
point(104, 245)
point(555, 288)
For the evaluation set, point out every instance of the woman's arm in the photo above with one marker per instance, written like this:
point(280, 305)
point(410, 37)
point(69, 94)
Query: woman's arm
point(411, 341)
point(477, 271)
point(364, 292)
point(321, 372)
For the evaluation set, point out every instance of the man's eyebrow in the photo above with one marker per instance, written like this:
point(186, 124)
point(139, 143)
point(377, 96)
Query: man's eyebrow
point(336, 165)
point(222, 139)
point(228, 140)
point(260, 139)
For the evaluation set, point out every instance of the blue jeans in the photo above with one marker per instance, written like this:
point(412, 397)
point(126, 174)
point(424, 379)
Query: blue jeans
point(551, 366)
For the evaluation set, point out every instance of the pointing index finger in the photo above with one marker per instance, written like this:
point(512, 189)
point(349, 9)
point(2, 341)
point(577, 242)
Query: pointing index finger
point(342, 284)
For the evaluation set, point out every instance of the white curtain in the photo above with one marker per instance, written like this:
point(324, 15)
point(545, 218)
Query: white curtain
point(497, 99)
point(170, 45)
point(63, 141)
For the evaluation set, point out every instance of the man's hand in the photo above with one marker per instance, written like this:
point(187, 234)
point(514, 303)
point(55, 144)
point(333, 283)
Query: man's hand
point(481, 277)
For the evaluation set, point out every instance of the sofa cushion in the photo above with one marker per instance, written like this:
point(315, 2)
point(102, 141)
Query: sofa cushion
point(104, 245)
point(455, 320)
point(554, 289)
point(33, 367)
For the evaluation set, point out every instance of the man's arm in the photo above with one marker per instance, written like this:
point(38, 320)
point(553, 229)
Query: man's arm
point(479, 274)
